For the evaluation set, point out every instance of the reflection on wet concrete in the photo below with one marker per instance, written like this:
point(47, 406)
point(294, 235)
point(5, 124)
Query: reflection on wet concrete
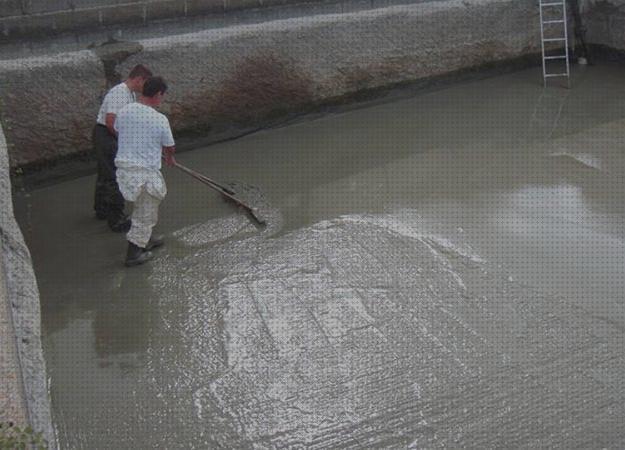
point(119, 325)
point(350, 333)
point(445, 271)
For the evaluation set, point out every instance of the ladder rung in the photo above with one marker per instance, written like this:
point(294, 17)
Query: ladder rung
point(554, 39)
point(553, 21)
point(552, 4)
point(556, 57)
point(556, 75)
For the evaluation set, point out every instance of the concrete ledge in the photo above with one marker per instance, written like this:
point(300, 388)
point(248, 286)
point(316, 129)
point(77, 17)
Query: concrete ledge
point(23, 390)
point(246, 74)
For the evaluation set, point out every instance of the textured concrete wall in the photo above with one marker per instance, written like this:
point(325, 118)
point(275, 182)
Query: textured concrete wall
point(605, 21)
point(12, 395)
point(48, 105)
point(245, 74)
point(22, 366)
point(293, 62)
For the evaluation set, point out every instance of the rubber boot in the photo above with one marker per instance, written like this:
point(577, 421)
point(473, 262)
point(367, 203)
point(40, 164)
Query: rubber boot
point(155, 242)
point(136, 255)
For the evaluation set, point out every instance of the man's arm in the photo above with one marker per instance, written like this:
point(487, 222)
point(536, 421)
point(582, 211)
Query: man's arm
point(168, 154)
point(168, 143)
point(110, 123)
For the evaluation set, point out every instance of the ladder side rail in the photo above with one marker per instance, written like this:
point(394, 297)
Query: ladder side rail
point(566, 46)
point(542, 42)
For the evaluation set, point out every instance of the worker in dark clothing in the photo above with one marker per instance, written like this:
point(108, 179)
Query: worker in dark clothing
point(109, 202)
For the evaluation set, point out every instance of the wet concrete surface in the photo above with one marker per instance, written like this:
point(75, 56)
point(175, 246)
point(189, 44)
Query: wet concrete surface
point(443, 271)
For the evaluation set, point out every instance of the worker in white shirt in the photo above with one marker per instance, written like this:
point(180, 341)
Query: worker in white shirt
point(144, 138)
point(109, 203)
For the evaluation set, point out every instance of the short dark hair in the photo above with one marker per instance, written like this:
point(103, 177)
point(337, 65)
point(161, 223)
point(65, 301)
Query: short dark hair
point(140, 71)
point(153, 86)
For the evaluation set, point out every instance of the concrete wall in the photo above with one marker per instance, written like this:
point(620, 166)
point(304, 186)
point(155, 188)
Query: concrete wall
point(25, 7)
point(28, 18)
point(23, 389)
point(246, 74)
point(12, 395)
point(48, 105)
point(605, 21)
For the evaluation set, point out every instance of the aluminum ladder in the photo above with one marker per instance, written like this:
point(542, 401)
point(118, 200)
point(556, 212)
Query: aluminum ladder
point(553, 24)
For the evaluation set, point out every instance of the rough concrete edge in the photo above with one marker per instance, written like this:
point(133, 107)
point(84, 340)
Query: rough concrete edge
point(207, 37)
point(12, 394)
point(69, 59)
point(22, 296)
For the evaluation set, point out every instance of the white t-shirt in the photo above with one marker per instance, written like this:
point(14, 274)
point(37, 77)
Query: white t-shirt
point(142, 134)
point(114, 100)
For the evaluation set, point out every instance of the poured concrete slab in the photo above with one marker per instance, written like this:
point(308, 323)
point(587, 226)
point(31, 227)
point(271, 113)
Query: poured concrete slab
point(442, 271)
point(356, 333)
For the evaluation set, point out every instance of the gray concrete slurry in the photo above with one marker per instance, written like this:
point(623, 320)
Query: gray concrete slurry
point(442, 271)
point(358, 332)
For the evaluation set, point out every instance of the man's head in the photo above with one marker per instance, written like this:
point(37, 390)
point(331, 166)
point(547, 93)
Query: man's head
point(137, 77)
point(153, 91)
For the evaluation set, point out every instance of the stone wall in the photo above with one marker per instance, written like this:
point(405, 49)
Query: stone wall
point(248, 73)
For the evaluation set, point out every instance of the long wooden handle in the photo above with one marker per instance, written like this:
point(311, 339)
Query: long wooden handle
point(222, 190)
point(199, 176)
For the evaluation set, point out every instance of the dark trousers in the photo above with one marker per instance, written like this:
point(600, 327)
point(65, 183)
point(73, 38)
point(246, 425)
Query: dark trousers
point(108, 202)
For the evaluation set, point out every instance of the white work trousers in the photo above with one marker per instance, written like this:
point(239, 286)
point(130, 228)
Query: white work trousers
point(146, 189)
point(144, 217)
